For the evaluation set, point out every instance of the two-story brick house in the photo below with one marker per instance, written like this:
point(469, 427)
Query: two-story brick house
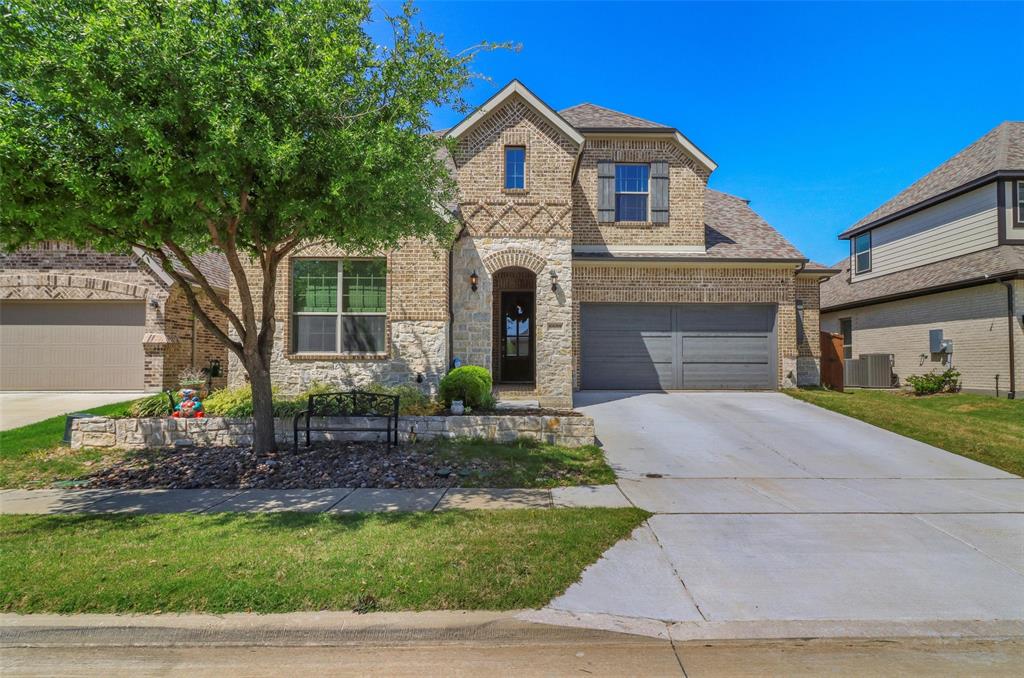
point(946, 254)
point(591, 254)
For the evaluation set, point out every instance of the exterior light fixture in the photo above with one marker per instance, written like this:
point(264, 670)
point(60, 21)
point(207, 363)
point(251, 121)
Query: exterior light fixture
point(474, 280)
point(554, 280)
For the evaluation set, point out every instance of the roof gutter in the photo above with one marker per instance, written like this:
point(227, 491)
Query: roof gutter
point(922, 291)
point(1011, 320)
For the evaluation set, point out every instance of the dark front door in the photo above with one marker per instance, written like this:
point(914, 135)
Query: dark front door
point(517, 328)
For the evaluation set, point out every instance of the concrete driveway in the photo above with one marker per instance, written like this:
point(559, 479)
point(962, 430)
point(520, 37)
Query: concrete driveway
point(18, 408)
point(773, 511)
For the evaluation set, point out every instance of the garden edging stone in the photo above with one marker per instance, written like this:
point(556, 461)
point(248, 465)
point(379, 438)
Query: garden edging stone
point(105, 432)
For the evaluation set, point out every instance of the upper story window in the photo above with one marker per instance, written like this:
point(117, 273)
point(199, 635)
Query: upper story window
point(862, 252)
point(339, 305)
point(631, 192)
point(515, 167)
point(1019, 203)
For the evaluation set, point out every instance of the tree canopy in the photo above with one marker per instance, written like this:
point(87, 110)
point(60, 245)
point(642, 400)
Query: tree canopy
point(248, 126)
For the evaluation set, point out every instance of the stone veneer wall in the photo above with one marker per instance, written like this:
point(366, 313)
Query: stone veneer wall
point(682, 284)
point(687, 181)
point(472, 332)
point(61, 271)
point(417, 325)
point(103, 432)
point(808, 360)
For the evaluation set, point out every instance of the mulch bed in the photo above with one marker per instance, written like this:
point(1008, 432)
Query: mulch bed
point(354, 464)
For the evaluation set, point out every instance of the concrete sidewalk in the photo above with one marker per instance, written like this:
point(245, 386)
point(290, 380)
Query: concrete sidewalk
point(452, 643)
point(340, 500)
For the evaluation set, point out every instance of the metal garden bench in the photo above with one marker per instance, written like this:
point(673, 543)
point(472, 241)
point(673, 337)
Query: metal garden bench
point(348, 404)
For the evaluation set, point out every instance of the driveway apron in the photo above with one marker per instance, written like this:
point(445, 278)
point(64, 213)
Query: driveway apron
point(771, 510)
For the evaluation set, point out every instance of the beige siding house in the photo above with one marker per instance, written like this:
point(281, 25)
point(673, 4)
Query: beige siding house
point(945, 254)
point(590, 254)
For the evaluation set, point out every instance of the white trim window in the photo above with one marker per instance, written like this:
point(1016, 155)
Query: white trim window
point(632, 192)
point(862, 252)
point(515, 168)
point(320, 287)
point(1019, 194)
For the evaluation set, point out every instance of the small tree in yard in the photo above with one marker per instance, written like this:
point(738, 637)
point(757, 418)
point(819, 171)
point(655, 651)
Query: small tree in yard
point(249, 127)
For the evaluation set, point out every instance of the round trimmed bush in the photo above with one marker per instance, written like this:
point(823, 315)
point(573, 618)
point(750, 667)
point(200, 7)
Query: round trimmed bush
point(470, 384)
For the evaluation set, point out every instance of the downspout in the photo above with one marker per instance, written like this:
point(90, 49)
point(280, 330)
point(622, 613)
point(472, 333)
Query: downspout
point(1011, 320)
point(451, 306)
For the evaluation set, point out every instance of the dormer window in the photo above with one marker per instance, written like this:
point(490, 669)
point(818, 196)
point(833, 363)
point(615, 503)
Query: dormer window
point(631, 192)
point(515, 168)
point(862, 252)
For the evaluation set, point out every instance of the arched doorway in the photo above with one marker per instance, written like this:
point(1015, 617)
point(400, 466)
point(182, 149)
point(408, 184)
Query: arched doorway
point(514, 338)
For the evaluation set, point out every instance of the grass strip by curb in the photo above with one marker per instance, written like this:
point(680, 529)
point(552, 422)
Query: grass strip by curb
point(986, 429)
point(284, 562)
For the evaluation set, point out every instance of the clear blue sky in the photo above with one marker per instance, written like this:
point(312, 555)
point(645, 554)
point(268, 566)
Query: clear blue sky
point(817, 113)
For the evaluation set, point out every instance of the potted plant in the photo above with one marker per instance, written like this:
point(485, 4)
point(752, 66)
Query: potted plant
point(193, 378)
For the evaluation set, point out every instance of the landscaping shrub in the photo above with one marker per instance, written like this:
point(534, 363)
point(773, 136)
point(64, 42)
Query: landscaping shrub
point(411, 400)
point(237, 402)
point(470, 384)
point(156, 405)
point(926, 384)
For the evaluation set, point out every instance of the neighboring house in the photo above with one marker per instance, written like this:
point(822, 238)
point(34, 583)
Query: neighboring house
point(79, 320)
point(591, 255)
point(945, 254)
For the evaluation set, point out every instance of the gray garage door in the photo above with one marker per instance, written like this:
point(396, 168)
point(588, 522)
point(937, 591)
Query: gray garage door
point(71, 346)
point(684, 346)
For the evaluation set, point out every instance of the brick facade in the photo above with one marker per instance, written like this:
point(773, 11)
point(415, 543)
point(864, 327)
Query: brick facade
point(974, 318)
point(525, 237)
point(651, 283)
point(416, 331)
point(62, 271)
point(687, 181)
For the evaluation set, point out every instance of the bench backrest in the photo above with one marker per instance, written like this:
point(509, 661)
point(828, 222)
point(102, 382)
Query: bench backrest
point(353, 403)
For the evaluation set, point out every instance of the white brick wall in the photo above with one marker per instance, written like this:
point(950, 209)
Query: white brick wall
point(974, 318)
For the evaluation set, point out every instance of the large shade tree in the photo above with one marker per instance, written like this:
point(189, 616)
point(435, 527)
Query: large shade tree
point(245, 126)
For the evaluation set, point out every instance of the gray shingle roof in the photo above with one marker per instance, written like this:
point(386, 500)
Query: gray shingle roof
point(1000, 149)
point(589, 116)
point(213, 265)
point(838, 291)
point(733, 230)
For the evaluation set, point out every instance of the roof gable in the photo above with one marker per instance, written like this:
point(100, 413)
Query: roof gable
point(511, 89)
point(1001, 149)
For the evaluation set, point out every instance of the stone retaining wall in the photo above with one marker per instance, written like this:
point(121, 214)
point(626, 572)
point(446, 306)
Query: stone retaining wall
point(103, 432)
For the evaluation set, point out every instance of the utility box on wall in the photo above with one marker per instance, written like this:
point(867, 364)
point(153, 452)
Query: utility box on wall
point(936, 344)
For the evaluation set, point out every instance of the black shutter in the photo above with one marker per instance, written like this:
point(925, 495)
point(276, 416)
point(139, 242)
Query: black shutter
point(606, 192)
point(659, 192)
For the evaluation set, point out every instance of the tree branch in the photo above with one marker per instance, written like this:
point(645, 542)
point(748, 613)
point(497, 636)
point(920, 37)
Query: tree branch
point(187, 262)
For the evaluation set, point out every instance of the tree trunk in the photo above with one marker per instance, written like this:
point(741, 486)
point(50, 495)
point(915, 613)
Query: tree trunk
point(262, 406)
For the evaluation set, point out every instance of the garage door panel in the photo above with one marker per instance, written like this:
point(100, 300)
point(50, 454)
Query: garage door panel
point(726, 318)
point(627, 375)
point(706, 346)
point(646, 317)
point(713, 376)
point(55, 345)
point(726, 349)
point(656, 347)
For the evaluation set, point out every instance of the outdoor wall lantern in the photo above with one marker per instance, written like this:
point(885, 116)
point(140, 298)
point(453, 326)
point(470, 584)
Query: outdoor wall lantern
point(474, 280)
point(554, 280)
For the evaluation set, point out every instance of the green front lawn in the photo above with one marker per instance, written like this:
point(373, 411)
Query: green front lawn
point(32, 456)
point(526, 463)
point(455, 560)
point(986, 429)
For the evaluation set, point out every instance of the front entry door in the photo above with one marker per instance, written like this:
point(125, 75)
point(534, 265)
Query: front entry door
point(517, 337)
